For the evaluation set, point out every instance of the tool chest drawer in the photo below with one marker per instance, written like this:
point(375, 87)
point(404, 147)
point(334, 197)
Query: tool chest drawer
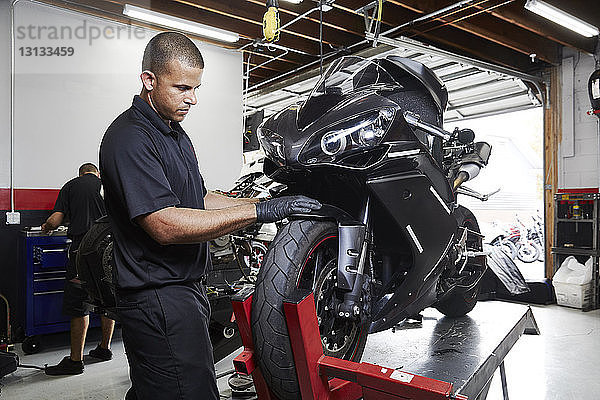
point(50, 256)
point(43, 269)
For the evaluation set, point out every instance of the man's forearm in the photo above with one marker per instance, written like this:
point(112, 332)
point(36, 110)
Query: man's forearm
point(215, 201)
point(53, 221)
point(184, 225)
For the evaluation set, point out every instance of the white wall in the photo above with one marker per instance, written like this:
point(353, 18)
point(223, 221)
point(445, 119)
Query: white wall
point(578, 164)
point(4, 95)
point(63, 105)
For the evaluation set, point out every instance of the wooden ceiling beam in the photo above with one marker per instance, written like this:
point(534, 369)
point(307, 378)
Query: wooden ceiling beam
point(272, 66)
point(242, 27)
point(252, 12)
point(331, 26)
point(334, 18)
point(487, 28)
point(516, 14)
point(449, 37)
point(264, 57)
point(465, 43)
point(258, 74)
point(513, 37)
point(254, 64)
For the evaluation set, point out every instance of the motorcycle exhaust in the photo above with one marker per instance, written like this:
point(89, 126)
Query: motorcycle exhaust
point(466, 173)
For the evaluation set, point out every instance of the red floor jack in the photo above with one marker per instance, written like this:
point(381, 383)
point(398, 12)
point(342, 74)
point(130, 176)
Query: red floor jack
point(322, 377)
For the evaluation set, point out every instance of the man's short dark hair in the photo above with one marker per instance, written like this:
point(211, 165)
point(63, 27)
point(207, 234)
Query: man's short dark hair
point(168, 46)
point(87, 167)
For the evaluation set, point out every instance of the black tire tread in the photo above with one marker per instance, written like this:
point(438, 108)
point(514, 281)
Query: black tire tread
point(284, 258)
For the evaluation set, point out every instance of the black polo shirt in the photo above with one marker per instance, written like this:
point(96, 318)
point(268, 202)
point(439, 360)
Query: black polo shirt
point(81, 202)
point(146, 166)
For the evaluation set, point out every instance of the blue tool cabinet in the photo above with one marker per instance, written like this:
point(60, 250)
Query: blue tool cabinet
point(43, 265)
point(44, 260)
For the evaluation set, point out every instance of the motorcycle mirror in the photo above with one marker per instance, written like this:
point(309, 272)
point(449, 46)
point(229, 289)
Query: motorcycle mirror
point(466, 136)
point(277, 190)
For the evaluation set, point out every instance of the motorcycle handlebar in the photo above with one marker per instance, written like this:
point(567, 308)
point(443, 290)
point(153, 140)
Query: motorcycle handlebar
point(415, 120)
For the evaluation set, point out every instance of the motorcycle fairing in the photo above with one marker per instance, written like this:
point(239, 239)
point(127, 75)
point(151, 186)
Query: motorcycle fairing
point(295, 140)
point(351, 74)
point(418, 212)
point(430, 81)
point(426, 296)
point(408, 156)
point(299, 125)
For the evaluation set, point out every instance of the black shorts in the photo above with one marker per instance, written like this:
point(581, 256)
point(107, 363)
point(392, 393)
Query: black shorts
point(75, 300)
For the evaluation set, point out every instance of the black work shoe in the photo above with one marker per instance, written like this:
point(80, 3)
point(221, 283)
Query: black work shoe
point(65, 367)
point(102, 354)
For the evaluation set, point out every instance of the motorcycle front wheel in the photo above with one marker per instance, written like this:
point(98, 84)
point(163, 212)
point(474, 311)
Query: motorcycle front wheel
point(302, 255)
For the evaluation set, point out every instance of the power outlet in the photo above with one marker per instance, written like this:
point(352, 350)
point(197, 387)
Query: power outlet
point(13, 218)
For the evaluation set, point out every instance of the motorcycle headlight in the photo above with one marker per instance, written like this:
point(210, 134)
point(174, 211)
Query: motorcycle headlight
point(272, 143)
point(357, 134)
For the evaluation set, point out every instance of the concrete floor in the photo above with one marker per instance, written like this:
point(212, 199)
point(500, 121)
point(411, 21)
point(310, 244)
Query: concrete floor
point(562, 363)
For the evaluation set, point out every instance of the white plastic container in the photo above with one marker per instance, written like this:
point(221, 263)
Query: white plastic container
point(573, 283)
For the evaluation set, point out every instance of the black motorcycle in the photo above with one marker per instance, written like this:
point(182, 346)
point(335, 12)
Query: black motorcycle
point(390, 239)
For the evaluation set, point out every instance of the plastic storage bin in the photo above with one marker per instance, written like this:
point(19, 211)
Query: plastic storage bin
point(573, 283)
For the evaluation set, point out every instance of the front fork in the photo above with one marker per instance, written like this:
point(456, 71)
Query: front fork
point(352, 259)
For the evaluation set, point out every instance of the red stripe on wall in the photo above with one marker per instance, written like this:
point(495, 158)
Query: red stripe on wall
point(29, 199)
point(4, 199)
point(582, 190)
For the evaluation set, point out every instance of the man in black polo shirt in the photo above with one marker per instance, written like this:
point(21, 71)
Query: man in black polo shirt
point(162, 218)
point(80, 202)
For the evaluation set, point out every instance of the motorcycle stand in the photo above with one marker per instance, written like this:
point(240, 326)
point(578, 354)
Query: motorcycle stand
point(350, 380)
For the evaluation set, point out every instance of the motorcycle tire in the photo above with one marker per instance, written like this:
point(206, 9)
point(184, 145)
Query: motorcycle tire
point(528, 253)
point(462, 300)
point(302, 255)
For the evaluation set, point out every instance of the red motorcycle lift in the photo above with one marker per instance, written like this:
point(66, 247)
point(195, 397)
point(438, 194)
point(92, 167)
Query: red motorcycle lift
point(351, 380)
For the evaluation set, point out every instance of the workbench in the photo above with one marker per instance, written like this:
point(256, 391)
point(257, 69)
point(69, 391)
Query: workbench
point(463, 353)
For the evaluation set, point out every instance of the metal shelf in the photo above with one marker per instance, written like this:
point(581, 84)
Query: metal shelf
point(574, 220)
point(575, 251)
point(564, 231)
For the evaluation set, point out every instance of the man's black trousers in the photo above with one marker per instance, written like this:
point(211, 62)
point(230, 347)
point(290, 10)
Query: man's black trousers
point(165, 332)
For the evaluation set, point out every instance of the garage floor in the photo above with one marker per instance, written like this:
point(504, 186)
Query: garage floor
point(561, 364)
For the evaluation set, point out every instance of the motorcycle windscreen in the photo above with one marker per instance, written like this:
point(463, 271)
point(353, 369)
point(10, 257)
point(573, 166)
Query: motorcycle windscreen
point(345, 76)
point(428, 225)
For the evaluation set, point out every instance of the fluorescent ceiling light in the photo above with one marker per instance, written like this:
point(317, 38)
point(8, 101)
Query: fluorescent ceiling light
point(562, 18)
point(294, 1)
point(180, 24)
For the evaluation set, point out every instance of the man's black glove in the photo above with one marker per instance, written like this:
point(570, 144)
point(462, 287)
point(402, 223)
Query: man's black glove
point(282, 207)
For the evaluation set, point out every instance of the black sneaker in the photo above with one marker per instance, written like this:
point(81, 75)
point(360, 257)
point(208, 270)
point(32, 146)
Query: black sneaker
point(65, 367)
point(102, 354)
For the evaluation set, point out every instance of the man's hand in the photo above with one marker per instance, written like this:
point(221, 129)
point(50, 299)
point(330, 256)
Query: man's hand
point(282, 207)
point(53, 221)
point(46, 228)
